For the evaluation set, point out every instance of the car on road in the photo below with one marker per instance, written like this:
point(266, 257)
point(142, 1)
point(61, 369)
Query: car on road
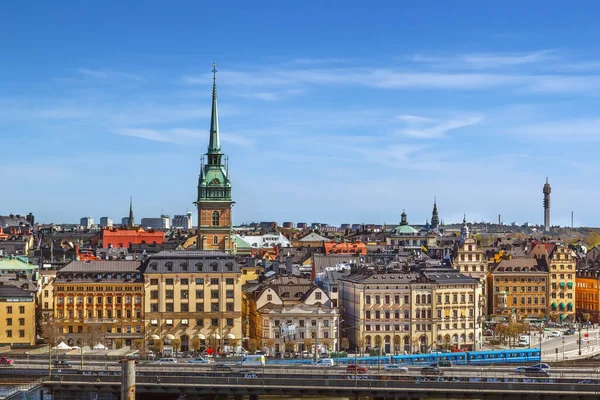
point(324, 362)
point(555, 334)
point(5, 361)
point(166, 361)
point(222, 368)
point(520, 370)
point(431, 371)
point(443, 363)
point(198, 360)
point(396, 367)
point(541, 365)
point(357, 369)
point(61, 364)
point(533, 371)
point(569, 332)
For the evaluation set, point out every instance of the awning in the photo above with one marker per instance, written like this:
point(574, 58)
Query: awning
point(168, 336)
point(154, 337)
point(215, 336)
point(562, 316)
point(570, 284)
point(230, 336)
point(200, 336)
point(562, 284)
point(554, 304)
point(569, 304)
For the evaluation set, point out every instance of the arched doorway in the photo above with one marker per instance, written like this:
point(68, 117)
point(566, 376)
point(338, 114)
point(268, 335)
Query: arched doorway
point(387, 346)
point(424, 342)
point(185, 343)
point(406, 342)
point(70, 342)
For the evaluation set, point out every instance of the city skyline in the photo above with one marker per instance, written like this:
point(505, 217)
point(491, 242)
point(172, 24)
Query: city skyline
point(421, 105)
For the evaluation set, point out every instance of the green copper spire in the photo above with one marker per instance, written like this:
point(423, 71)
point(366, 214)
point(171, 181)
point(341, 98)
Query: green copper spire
point(214, 145)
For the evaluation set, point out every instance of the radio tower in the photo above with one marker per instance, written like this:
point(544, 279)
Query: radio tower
point(546, 191)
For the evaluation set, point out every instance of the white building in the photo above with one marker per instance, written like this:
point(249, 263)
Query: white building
point(267, 241)
point(164, 222)
point(182, 221)
point(86, 222)
point(106, 222)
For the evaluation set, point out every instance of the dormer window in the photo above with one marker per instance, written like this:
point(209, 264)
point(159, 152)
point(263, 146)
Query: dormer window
point(169, 266)
point(184, 266)
point(214, 266)
point(199, 266)
point(99, 276)
point(153, 266)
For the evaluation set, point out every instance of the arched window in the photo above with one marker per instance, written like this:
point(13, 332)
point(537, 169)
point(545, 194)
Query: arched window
point(215, 240)
point(215, 218)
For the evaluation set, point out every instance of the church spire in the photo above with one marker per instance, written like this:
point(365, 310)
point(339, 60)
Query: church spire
point(214, 145)
point(130, 221)
point(435, 219)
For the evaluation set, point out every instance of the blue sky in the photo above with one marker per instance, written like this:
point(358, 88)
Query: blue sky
point(334, 111)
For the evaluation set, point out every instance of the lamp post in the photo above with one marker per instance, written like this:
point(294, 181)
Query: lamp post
point(579, 329)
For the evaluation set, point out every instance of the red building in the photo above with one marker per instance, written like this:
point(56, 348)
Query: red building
point(115, 237)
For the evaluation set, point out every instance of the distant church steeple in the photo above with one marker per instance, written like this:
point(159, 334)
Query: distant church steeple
point(546, 190)
point(130, 221)
point(435, 219)
point(464, 230)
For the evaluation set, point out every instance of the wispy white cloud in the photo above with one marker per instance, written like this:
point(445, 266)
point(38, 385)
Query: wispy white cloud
point(107, 74)
point(180, 135)
point(427, 128)
point(487, 60)
point(274, 95)
point(565, 130)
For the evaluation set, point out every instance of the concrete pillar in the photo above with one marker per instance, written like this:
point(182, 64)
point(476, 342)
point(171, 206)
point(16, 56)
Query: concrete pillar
point(127, 379)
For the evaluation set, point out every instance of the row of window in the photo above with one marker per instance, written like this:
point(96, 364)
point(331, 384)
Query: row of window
point(99, 314)
point(301, 323)
point(9, 333)
point(199, 322)
point(214, 266)
point(521, 289)
point(186, 281)
point(99, 300)
point(185, 294)
point(9, 321)
point(477, 257)
point(9, 309)
point(522, 279)
point(95, 289)
point(420, 299)
point(185, 307)
point(418, 327)
point(109, 329)
point(529, 300)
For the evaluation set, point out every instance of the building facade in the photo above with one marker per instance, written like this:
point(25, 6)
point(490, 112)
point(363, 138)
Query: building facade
point(86, 222)
point(193, 301)
point(470, 261)
point(214, 191)
point(100, 302)
point(562, 266)
point(17, 315)
point(106, 222)
point(182, 221)
point(587, 295)
point(519, 286)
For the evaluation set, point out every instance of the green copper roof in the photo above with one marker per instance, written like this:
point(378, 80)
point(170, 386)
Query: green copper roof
point(404, 230)
point(240, 243)
point(14, 264)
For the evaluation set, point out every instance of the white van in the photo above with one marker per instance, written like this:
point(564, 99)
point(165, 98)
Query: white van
point(254, 360)
point(555, 334)
point(324, 362)
point(166, 361)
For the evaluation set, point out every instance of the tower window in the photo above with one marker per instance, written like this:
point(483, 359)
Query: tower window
point(215, 240)
point(215, 218)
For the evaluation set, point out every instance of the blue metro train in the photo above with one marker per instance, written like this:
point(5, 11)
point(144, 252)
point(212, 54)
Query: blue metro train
point(512, 356)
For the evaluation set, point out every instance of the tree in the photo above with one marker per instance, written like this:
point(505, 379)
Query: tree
point(447, 343)
point(592, 240)
point(196, 344)
point(289, 347)
point(308, 344)
point(397, 341)
point(344, 344)
point(252, 345)
point(138, 344)
point(94, 335)
point(270, 344)
point(360, 344)
point(51, 330)
point(119, 343)
point(176, 343)
point(157, 345)
point(328, 343)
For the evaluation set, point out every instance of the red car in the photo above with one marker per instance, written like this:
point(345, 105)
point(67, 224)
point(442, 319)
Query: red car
point(6, 361)
point(357, 369)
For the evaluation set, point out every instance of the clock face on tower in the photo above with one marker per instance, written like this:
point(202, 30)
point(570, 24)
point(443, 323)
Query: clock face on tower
point(215, 181)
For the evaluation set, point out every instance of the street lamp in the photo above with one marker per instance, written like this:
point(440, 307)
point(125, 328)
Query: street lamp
point(579, 329)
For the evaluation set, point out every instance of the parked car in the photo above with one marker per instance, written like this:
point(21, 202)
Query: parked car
point(198, 360)
point(166, 361)
point(534, 371)
point(431, 371)
point(357, 369)
point(222, 368)
point(6, 361)
point(396, 367)
point(442, 363)
point(541, 365)
point(61, 364)
point(520, 370)
point(555, 334)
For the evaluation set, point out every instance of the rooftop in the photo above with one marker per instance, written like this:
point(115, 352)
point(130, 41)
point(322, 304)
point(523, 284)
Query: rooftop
point(101, 266)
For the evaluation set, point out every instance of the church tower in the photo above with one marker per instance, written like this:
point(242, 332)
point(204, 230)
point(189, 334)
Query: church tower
point(546, 192)
point(435, 219)
point(214, 189)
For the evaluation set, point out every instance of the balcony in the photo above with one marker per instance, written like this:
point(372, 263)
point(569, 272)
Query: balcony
point(100, 320)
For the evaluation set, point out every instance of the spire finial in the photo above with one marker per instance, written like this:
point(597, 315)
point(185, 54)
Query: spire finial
point(214, 145)
point(214, 71)
point(546, 179)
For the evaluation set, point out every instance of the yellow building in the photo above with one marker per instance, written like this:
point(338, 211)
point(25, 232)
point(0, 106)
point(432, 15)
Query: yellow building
point(520, 286)
point(17, 316)
point(193, 301)
point(470, 261)
point(46, 293)
point(562, 283)
point(100, 302)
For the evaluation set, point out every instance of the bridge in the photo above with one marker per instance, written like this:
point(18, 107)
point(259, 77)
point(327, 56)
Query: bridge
point(207, 385)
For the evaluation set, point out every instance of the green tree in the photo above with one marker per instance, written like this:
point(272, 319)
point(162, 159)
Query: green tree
point(176, 343)
point(252, 345)
point(196, 344)
point(345, 344)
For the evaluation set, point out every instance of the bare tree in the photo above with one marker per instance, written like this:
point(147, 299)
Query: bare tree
point(51, 330)
point(94, 335)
